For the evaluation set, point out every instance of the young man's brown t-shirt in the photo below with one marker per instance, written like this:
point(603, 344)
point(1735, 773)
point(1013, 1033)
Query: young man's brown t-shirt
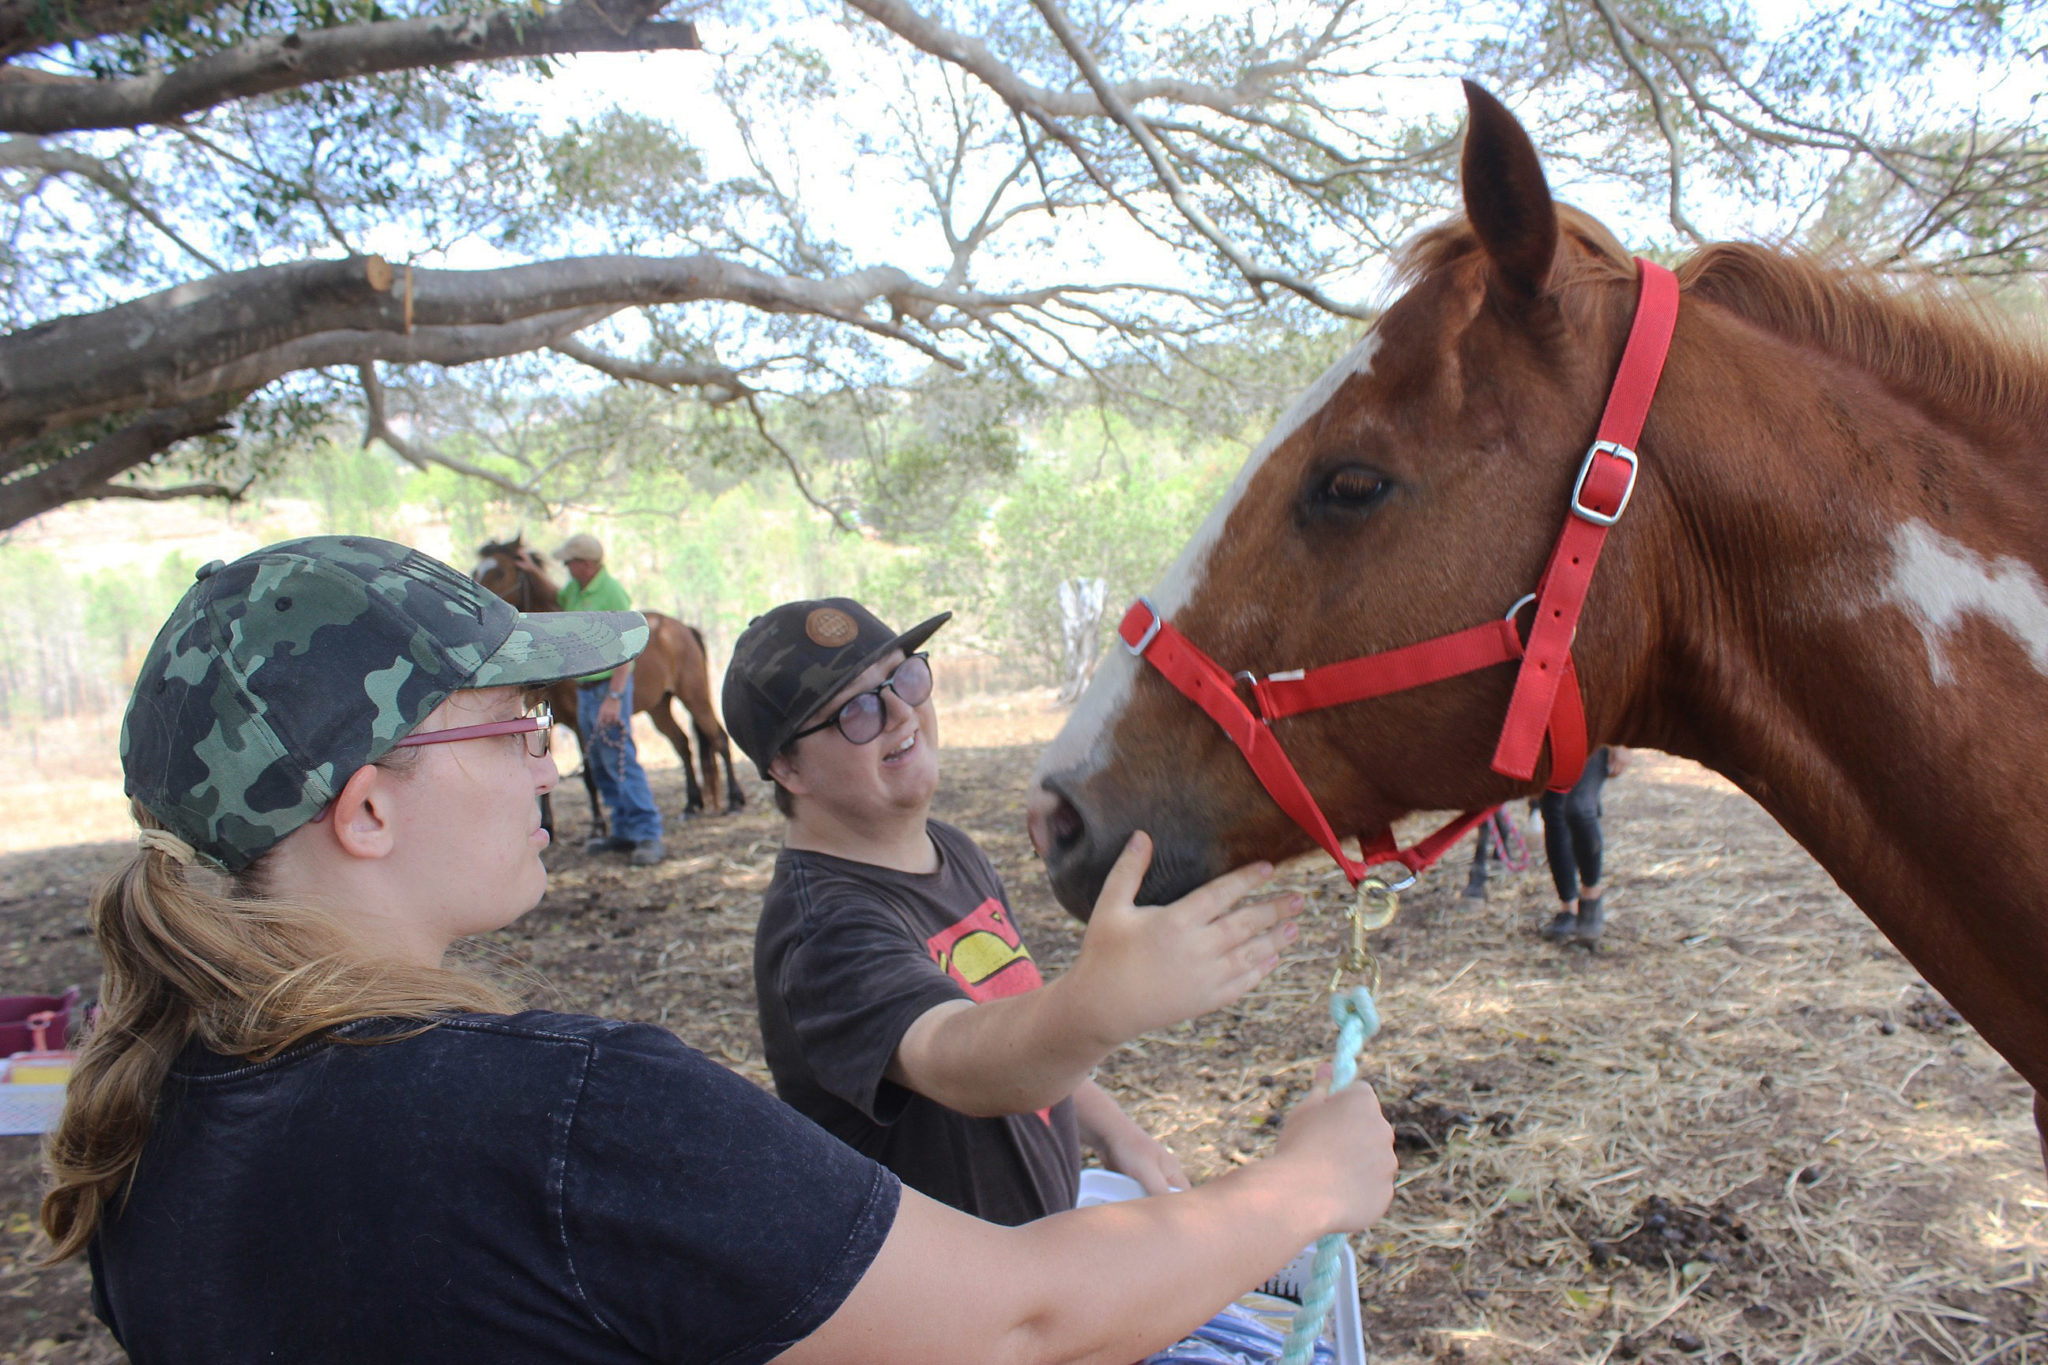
point(847, 956)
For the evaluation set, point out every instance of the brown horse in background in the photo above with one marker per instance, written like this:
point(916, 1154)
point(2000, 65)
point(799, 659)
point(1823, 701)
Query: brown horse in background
point(1829, 585)
point(673, 667)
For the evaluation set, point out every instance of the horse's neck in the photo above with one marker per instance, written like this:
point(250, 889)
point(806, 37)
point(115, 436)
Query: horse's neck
point(544, 596)
point(1857, 634)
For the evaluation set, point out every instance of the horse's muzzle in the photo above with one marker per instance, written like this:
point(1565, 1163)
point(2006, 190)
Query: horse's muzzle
point(1080, 845)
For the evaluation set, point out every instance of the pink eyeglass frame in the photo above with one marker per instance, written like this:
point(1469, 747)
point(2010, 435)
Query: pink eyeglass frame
point(539, 720)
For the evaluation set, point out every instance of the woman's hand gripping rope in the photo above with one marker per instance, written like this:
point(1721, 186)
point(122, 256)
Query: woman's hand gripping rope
point(1357, 1017)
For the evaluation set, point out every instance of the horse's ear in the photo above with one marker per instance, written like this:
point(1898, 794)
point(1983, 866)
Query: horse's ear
point(1507, 199)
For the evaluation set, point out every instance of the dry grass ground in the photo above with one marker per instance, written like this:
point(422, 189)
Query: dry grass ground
point(1742, 1133)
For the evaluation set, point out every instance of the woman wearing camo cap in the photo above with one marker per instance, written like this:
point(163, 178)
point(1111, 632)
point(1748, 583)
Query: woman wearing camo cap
point(299, 1134)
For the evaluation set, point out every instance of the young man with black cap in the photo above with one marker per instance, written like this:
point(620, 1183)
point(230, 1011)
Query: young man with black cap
point(899, 1006)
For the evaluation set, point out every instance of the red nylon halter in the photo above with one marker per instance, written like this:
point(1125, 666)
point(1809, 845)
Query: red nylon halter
point(1546, 700)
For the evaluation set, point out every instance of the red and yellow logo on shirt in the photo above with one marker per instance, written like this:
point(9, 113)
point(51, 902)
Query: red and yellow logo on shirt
point(983, 952)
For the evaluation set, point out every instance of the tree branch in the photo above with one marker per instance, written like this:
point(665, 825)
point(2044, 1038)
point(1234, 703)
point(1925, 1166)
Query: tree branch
point(81, 474)
point(1118, 108)
point(144, 493)
point(30, 25)
point(671, 376)
point(224, 330)
point(796, 470)
point(287, 61)
point(1674, 152)
point(30, 153)
point(420, 455)
point(972, 55)
point(443, 346)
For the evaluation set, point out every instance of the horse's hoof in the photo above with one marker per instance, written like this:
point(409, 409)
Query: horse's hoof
point(1564, 926)
point(1475, 891)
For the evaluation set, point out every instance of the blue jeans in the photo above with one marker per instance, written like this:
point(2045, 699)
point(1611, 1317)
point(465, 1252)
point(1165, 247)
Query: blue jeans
point(611, 758)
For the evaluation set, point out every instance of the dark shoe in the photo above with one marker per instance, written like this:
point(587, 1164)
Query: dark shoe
point(648, 852)
point(1592, 920)
point(604, 843)
point(1563, 927)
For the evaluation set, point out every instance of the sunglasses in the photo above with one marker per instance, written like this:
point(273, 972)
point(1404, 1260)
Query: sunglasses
point(860, 717)
point(537, 725)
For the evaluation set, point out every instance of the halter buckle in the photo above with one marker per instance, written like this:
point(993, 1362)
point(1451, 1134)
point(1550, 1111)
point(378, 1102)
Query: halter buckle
point(1594, 452)
point(1151, 631)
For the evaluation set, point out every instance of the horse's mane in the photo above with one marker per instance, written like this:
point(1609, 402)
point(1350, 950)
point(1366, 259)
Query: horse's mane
point(1921, 339)
point(509, 547)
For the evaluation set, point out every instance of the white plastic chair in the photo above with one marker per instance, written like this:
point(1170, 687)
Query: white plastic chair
point(27, 1109)
point(1348, 1332)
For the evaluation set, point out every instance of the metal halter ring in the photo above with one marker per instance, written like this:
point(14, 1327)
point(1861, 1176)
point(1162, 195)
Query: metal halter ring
point(1402, 880)
point(1516, 610)
point(1377, 904)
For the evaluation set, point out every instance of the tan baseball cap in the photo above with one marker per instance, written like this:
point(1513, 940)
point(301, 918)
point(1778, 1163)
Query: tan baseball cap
point(582, 545)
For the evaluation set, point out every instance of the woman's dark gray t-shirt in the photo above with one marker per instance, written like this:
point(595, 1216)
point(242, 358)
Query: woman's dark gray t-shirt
point(496, 1189)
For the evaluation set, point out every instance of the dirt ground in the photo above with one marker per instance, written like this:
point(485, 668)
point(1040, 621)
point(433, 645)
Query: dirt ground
point(1743, 1132)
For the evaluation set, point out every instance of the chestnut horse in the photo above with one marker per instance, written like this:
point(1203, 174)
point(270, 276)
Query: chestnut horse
point(1828, 586)
point(672, 668)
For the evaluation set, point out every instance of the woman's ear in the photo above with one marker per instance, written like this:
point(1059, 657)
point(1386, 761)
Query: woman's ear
point(364, 816)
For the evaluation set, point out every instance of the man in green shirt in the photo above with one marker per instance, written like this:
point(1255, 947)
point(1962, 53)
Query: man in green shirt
point(604, 715)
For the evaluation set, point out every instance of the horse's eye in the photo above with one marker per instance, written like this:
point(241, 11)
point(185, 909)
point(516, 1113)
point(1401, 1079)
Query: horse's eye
point(1354, 486)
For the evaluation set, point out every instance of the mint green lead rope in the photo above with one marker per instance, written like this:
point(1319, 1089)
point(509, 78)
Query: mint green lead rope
point(1357, 1020)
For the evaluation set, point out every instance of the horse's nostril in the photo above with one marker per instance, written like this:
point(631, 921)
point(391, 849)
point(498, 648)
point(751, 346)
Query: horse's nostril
point(1065, 824)
point(1054, 823)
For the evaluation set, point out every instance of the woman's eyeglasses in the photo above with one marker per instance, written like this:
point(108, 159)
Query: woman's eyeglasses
point(860, 717)
point(537, 725)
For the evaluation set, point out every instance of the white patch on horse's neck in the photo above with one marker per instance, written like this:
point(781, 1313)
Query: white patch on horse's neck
point(1082, 742)
point(1937, 581)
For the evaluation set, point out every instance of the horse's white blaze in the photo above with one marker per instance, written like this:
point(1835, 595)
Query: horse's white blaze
point(1938, 581)
point(1082, 745)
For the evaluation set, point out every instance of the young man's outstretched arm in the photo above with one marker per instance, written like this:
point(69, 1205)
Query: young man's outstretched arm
point(1140, 968)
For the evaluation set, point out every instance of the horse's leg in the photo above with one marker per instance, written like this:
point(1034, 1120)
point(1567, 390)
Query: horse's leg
point(734, 797)
point(1475, 884)
point(663, 714)
point(547, 815)
point(2041, 1124)
point(599, 825)
point(708, 753)
point(715, 743)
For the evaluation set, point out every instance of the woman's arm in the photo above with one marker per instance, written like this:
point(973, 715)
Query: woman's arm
point(1109, 1284)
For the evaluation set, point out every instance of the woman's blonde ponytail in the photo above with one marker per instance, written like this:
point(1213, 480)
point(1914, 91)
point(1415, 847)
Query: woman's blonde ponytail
point(245, 975)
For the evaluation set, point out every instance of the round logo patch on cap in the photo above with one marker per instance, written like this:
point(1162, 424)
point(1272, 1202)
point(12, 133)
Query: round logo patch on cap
point(830, 627)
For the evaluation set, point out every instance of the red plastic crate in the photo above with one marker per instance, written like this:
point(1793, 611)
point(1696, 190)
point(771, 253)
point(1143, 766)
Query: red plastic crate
point(16, 1032)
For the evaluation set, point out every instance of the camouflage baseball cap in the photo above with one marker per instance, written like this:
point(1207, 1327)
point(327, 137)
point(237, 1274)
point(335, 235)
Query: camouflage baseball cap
point(281, 674)
point(792, 660)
